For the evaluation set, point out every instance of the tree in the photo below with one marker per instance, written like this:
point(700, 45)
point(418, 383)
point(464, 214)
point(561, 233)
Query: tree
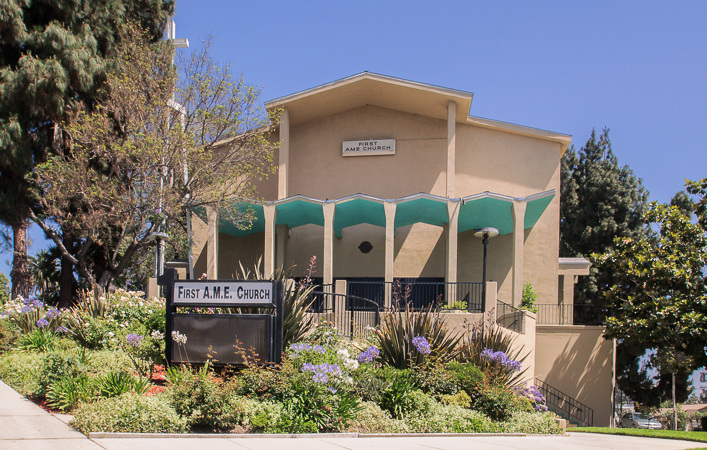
point(4, 291)
point(599, 202)
point(124, 176)
point(660, 297)
point(53, 58)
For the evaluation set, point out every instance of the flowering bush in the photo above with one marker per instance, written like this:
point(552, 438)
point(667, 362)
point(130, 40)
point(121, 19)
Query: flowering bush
point(29, 314)
point(533, 394)
point(144, 352)
point(501, 359)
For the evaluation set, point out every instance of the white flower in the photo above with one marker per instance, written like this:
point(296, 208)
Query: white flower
point(342, 353)
point(351, 364)
point(179, 338)
point(111, 334)
point(157, 334)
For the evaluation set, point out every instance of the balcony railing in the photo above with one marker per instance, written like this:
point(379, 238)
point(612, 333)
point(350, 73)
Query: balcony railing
point(420, 294)
point(572, 314)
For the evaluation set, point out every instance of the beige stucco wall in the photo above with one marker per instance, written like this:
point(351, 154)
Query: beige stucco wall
point(577, 361)
point(317, 168)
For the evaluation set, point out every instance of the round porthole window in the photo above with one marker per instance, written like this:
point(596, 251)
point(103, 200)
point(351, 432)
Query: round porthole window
point(365, 247)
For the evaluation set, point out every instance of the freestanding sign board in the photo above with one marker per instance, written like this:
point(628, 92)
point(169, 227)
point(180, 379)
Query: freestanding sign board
point(252, 323)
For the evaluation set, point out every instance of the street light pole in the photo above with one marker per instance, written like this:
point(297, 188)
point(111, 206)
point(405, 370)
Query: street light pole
point(484, 233)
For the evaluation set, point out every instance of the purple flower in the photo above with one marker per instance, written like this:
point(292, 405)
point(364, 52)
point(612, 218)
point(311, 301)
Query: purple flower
point(319, 349)
point(61, 329)
point(133, 339)
point(422, 345)
point(320, 377)
point(37, 303)
point(53, 313)
point(332, 390)
point(368, 355)
point(502, 359)
point(41, 323)
point(26, 309)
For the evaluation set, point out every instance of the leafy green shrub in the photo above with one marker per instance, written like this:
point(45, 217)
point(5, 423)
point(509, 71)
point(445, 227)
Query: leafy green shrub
point(56, 366)
point(398, 398)
point(461, 398)
point(529, 422)
point(372, 419)
point(456, 305)
point(667, 418)
point(203, 402)
point(66, 393)
point(94, 333)
point(530, 296)
point(399, 327)
point(369, 384)
point(499, 402)
point(129, 413)
point(468, 377)
point(114, 384)
point(39, 339)
point(261, 416)
point(267, 383)
point(434, 379)
point(19, 371)
point(449, 419)
point(8, 334)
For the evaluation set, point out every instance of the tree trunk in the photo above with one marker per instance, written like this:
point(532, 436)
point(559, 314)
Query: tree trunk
point(21, 280)
point(67, 284)
point(675, 410)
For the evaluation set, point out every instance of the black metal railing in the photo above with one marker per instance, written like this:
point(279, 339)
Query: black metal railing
point(510, 317)
point(566, 406)
point(351, 315)
point(420, 294)
point(320, 303)
point(572, 314)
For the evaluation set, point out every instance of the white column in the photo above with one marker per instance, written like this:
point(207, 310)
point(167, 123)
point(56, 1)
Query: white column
point(284, 152)
point(282, 233)
point(390, 209)
point(518, 210)
point(451, 263)
point(451, 146)
point(328, 210)
point(270, 213)
point(212, 243)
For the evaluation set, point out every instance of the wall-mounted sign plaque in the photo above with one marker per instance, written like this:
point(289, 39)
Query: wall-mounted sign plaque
point(368, 147)
point(224, 292)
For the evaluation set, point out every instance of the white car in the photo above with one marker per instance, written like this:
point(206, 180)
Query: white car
point(639, 420)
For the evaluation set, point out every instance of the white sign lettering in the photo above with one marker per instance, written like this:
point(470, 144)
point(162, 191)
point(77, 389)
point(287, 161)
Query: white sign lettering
point(368, 147)
point(223, 292)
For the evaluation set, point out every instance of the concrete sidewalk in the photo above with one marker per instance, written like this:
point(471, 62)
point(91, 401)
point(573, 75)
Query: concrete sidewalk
point(24, 425)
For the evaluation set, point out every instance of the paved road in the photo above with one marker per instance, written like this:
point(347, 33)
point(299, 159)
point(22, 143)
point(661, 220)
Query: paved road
point(25, 426)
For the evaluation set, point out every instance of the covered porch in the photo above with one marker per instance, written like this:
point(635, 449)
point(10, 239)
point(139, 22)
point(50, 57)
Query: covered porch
point(511, 216)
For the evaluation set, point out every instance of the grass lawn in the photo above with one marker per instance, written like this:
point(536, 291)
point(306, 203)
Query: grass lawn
point(698, 436)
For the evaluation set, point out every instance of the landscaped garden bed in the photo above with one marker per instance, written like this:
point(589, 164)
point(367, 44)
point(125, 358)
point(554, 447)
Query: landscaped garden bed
point(102, 361)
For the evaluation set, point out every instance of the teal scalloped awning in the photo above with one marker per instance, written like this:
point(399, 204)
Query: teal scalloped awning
point(483, 210)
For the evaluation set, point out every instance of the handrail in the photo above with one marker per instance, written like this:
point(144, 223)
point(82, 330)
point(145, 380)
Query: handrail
point(563, 403)
point(503, 310)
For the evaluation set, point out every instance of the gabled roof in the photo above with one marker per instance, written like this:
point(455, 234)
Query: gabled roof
point(369, 88)
point(374, 89)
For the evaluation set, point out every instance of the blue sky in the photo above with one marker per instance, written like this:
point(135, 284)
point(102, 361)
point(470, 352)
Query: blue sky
point(638, 68)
